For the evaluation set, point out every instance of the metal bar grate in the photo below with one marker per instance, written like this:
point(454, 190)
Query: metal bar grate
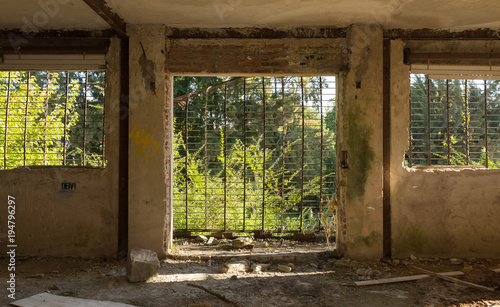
point(52, 118)
point(255, 154)
point(454, 122)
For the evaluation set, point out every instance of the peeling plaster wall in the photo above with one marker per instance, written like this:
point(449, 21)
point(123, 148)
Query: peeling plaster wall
point(148, 218)
point(359, 126)
point(79, 222)
point(446, 212)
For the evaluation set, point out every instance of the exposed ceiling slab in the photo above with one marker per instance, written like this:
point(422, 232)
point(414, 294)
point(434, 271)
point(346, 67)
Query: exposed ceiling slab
point(455, 15)
point(34, 16)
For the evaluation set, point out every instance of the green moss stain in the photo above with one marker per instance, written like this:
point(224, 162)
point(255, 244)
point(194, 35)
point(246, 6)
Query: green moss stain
point(82, 236)
point(373, 238)
point(415, 239)
point(361, 155)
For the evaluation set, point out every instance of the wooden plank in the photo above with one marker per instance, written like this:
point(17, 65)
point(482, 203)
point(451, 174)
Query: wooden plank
point(458, 281)
point(50, 300)
point(403, 278)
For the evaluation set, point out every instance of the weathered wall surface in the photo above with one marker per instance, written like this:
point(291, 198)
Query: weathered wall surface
point(359, 126)
point(147, 172)
point(78, 222)
point(447, 212)
point(257, 56)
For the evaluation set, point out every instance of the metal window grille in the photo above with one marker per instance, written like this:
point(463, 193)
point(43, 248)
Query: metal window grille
point(52, 118)
point(454, 122)
point(256, 154)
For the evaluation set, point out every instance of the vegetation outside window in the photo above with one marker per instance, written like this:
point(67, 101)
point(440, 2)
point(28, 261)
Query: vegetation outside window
point(454, 122)
point(52, 118)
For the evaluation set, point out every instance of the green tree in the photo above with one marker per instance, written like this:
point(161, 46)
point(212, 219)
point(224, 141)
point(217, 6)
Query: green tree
point(41, 115)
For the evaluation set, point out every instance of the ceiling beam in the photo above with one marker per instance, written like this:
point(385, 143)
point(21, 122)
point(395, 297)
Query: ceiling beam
point(113, 19)
point(264, 33)
point(440, 34)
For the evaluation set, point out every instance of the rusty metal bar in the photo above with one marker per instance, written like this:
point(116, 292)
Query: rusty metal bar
point(429, 120)
point(181, 100)
point(45, 120)
point(6, 122)
point(65, 117)
point(245, 151)
point(26, 117)
point(225, 156)
point(386, 151)
point(264, 154)
point(448, 141)
point(186, 162)
point(321, 149)
point(85, 117)
point(206, 161)
point(302, 102)
point(283, 150)
point(410, 143)
point(486, 124)
point(103, 131)
point(466, 112)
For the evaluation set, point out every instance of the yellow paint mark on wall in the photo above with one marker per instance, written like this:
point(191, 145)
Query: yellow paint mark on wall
point(146, 147)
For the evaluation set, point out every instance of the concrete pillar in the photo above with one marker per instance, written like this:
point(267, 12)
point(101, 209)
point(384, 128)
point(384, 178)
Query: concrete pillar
point(359, 117)
point(147, 171)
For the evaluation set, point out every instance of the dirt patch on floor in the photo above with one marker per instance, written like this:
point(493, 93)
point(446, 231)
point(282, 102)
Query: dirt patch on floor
point(320, 280)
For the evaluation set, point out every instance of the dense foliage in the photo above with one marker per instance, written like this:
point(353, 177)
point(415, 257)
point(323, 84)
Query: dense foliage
point(259, 152)
point(51, 118)
point(454, 122)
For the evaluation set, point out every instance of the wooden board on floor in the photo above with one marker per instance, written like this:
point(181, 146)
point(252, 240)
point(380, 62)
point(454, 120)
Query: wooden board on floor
point(50, 300)
point(403, 278)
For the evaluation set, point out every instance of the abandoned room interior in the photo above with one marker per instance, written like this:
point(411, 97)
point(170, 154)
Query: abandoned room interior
point(250, 153)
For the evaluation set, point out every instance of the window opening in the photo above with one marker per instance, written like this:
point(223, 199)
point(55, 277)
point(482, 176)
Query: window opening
point(454, 122)
point(255, 155)
point(52, 118)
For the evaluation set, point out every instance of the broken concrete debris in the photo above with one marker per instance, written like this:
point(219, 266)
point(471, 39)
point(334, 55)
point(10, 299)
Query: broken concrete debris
point(260, 267)
point(240, 266)
point(456, 261)
point(212, 241)
point(142, 264)
point(243, 242)
point(367, 273)
point(201, 238)
point(284, 268)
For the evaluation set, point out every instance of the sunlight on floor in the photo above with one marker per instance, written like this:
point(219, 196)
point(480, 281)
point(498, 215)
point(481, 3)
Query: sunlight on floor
point(220, 276)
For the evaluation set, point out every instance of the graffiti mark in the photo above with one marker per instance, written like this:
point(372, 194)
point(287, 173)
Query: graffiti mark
point(146, 147)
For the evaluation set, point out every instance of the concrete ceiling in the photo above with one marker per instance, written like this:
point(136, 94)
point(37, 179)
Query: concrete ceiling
point(411, 14)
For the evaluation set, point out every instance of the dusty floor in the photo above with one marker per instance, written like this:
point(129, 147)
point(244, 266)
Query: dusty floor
point(317, 279)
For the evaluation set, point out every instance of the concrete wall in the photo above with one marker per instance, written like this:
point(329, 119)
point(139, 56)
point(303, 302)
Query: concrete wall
point(435, 212)
point(442, 212)
point(148, 217)
point(359, 127)
point(79, 222)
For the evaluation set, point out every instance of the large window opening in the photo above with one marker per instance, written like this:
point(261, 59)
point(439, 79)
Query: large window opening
point(454, 122)
point(254, 155)
point(52, 118)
